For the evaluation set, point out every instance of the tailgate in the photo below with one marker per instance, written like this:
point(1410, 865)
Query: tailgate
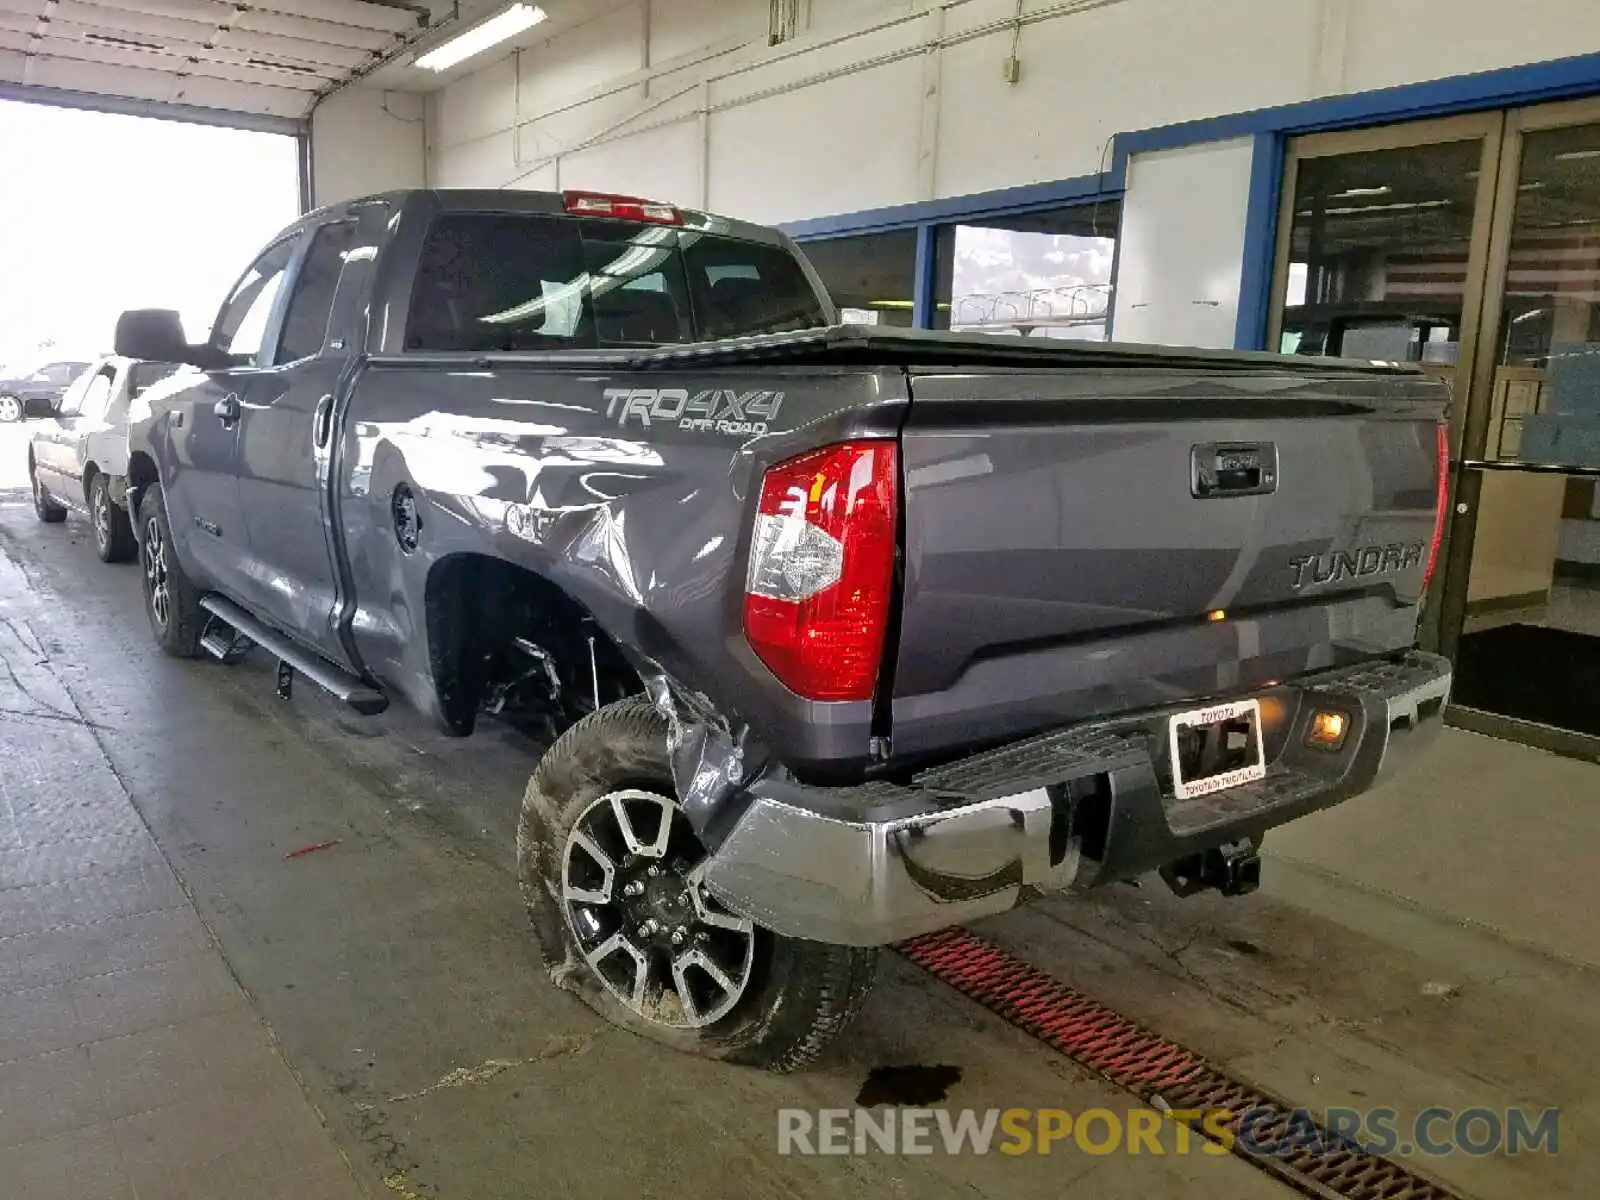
point(1072, 537)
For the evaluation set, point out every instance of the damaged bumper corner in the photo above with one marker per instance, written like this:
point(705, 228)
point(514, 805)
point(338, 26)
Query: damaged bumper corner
point(874, 864)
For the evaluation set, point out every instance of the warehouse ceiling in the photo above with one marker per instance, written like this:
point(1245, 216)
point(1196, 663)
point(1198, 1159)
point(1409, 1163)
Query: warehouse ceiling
point(247, 63)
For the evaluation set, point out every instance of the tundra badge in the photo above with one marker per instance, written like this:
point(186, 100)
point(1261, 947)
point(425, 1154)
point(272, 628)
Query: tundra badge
point(1353, 564)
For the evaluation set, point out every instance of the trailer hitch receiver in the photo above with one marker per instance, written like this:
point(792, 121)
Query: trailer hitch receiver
point(1233, 868)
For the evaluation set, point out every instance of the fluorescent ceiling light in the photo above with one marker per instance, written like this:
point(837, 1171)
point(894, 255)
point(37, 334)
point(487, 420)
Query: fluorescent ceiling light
point(1378, 208)
point(1383, 190)
point(514, 20)
point(1577, 155)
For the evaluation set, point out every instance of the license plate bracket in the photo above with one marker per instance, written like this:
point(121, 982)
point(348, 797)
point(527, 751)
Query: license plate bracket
point(1215, 748)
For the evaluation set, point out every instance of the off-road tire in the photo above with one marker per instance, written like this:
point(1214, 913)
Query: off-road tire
point(113, 531)
point(46, 508)
point(179, 633)
point(801, 994)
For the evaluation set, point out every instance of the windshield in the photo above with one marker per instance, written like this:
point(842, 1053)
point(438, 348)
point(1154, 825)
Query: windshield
point(510, 281)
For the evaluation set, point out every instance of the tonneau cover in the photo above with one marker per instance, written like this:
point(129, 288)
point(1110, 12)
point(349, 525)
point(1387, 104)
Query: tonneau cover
point(860, 345)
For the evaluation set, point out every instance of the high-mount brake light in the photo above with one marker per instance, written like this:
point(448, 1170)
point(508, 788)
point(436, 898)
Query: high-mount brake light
point(821, 570)
point(621, 208)
point(1441, 504)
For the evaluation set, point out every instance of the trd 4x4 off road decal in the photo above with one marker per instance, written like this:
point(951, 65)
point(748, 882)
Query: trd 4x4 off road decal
point(715, 410)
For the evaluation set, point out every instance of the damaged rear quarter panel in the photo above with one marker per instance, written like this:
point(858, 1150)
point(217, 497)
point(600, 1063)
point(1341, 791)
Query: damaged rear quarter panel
point(630, 491)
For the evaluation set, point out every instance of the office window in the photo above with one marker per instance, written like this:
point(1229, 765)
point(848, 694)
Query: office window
point(1041, 274)
point(871, 277)
point(1378, 253)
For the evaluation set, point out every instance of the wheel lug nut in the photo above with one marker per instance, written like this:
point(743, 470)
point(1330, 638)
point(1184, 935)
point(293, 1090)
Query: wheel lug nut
point(678, 937)
point(649, 929)
point(653, 871)
point(633, 888)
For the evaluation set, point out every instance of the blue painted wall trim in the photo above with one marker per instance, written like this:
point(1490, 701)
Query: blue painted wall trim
point(1559, 79)
point(957, 208)
point(924, 280)
point(1260, 242)
point(1116, 274)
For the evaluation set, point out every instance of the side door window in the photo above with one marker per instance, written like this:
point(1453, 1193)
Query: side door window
point(72, 400)
point(305, 321)
point(95, 398)
point(242, 326)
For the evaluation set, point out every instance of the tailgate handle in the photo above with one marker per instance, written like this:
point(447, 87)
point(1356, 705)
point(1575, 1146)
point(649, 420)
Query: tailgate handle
point(1222, 469)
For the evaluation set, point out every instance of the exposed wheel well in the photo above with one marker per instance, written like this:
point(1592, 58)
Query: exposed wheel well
point(90, 470)
point(141, 474)
point(501, 637)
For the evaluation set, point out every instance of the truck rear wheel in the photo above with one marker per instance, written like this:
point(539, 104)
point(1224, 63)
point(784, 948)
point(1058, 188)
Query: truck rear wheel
point(606, 860)
point(113, 531)
point(170, 599)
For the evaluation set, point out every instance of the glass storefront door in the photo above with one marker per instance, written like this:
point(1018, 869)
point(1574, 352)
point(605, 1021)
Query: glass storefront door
point(1528, 650)
point(1384, 243)
point(1472, 246)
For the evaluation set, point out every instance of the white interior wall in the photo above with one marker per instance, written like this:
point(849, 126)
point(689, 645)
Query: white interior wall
point(1123, 66)
point(886, 101)
point(366, 140)
point(1398, 41)
point(680, 28)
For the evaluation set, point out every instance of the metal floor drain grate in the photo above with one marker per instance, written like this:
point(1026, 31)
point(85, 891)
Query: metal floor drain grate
point(1306, 1157)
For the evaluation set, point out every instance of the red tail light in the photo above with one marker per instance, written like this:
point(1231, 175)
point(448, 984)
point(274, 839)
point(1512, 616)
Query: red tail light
point(821, 570)
point(1441, 505)
point(622, 208)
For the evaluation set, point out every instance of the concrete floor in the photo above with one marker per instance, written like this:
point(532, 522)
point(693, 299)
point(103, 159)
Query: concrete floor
point(1426, 946)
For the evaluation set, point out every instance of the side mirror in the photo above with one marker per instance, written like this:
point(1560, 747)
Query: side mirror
point(156, 335)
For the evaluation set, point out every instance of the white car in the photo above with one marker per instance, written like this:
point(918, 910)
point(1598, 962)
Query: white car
point(78, 458)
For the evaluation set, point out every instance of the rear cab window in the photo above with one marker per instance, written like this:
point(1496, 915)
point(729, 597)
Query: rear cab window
point(515, 281)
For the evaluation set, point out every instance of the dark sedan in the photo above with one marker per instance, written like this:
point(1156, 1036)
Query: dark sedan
point(39, 394)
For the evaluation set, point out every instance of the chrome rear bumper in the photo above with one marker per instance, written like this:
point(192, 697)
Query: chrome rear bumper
point(1084, 806)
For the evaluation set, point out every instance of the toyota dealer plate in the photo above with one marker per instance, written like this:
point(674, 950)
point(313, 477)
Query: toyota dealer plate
point(1216, 748)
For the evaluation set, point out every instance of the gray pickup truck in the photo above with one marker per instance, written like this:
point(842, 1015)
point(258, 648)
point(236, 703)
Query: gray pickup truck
point(846, 635)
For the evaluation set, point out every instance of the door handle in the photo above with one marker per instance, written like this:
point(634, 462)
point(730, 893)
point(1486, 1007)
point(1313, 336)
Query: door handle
point(322, 423)
point(227, 409)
